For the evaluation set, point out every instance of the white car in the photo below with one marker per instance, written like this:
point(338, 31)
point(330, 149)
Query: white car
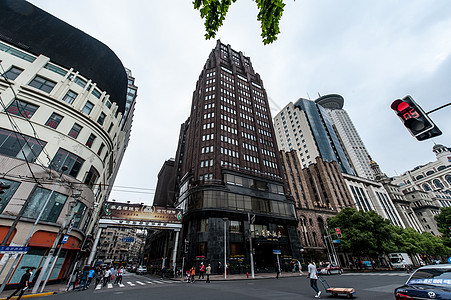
point(141, 270)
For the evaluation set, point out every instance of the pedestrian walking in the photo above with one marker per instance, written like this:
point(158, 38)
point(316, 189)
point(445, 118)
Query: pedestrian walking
point(99, 275)
point(106, 276)
point(192, 273)
point(220, 268)
point(201, 270)
point(313, 275)
point(35, 278)
point(84, 279)
point(73, 280)
point(120, 273)
point(90, 277)
point(23, 284)
point(208, 272)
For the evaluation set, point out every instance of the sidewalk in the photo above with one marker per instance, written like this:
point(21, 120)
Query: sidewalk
point(48, 290)
point(216, 277)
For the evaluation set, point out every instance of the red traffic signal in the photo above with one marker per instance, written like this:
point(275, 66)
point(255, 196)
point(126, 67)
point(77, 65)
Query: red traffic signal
point(338, 231)
point(415, 119)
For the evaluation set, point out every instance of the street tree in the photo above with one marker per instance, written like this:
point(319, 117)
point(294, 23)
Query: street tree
point(214, 13)
point(443, 220)
point(363, 233)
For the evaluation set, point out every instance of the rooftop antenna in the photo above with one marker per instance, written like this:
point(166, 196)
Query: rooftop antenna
point(319, 95)
point(308, 96)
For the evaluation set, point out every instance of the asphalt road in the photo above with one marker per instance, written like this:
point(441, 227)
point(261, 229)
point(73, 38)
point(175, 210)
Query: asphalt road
point(377, 285)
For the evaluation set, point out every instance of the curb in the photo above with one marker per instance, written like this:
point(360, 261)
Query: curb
point(32, 295)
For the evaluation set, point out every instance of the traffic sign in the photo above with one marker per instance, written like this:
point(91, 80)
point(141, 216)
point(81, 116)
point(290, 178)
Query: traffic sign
point(449, 260)
point(65, 239)
point(276, 251)
point(128, 239)
point(335, 241)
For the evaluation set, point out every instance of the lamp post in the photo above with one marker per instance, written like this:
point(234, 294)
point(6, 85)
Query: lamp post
point(225, 247)
point(251, 222)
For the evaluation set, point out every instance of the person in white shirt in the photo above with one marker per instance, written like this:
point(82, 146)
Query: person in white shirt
point(313, 275)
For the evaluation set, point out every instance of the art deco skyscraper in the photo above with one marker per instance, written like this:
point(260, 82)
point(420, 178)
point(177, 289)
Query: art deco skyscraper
point(228, 166)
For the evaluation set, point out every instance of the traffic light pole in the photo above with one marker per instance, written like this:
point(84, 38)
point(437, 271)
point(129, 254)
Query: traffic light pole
point(435, 109)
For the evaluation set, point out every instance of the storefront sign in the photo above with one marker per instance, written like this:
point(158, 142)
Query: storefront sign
point(13, 250)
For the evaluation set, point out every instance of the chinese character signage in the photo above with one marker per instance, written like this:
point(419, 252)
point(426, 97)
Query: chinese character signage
point(139, 212)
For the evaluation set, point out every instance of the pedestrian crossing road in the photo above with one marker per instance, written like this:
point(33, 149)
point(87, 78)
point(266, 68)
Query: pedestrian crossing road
point(147, 282)
point(376, 274)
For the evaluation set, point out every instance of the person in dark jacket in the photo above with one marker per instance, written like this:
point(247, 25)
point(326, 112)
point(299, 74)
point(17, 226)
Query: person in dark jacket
point(23, 284)
point(35, 278)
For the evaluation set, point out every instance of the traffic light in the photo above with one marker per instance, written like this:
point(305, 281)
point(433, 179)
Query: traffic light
point(338, 231)
point(415, 119)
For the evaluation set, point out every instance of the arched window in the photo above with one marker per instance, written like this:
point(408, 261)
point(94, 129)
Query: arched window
point(448, 178)
point(438, 184)
point(419, 177)
point(428, 173)
point(426, 187)
point(441, 168)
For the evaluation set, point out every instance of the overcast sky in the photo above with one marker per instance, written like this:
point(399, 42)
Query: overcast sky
point(370, 52)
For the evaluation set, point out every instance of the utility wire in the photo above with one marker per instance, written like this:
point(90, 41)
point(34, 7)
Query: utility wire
point(29, 122)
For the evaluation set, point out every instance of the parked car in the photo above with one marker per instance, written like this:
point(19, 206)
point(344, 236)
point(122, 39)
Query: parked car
point(141, 270)
point(400, 260)
point(428, 282)
point(330, 269)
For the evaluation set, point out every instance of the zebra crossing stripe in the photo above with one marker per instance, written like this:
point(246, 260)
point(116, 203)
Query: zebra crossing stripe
point(165, 281)
point(150, 282)
point(131, 284)
point(98, 287)
point(159, 282)
point(139, 282)
point(110, 285)
point(121, 285)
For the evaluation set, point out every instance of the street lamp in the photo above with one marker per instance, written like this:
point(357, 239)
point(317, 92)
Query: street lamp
point(225, 247)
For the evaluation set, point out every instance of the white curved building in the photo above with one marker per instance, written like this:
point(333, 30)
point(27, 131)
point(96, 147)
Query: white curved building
point(66, 102)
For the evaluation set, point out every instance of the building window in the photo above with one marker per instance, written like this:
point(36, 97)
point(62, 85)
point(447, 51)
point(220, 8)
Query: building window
point(90, 140)
point(110, 127)
point(235, 227)
point(101, 118)
point(96, 93)
point(68, 159)
point(87, 108)
point(54, 120)
point(80, 210)
point(20, 146)
point(438, 184)
point(42, 84)
point(75, 130)
point(8, 193)
point(70, 96)
point(203, 225)
point(426, 187)
point(22, 109)
point(51, 211)
point(12, 73)
point(91, 177)
point(100, 149)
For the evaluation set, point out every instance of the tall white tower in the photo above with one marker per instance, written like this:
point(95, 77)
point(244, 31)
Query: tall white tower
point(350, 139)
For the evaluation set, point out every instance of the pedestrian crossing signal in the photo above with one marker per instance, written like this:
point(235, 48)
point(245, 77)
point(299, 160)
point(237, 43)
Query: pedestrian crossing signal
point(338, 231)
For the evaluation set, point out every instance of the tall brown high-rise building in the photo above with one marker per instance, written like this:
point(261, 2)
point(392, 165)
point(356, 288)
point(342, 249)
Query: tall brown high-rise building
point(228, 169)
